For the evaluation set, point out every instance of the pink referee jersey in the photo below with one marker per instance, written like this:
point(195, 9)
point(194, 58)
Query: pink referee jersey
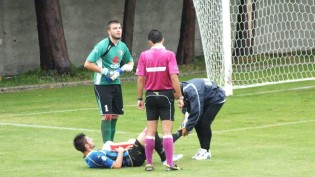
point(156, 64)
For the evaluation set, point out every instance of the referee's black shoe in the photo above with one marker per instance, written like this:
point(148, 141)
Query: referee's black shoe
point(172, 168)
point(149, 167)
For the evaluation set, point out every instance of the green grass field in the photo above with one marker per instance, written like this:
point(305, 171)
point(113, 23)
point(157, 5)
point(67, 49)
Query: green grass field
point(262, 131)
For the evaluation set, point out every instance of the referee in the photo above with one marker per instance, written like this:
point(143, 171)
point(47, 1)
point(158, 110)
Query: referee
point(157, 73)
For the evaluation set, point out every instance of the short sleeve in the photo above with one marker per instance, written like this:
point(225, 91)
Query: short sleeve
point(140, 71)
point(172, 65)
point(96, 53)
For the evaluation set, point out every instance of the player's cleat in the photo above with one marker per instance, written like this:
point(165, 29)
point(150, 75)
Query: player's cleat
point(149, 167)
point(176, 157)
point(203, 155)
point(172, 168)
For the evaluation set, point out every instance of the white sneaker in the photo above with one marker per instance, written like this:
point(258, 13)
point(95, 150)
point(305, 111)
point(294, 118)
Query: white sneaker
point(176, 157)
point(198, 151)
point(203, 155)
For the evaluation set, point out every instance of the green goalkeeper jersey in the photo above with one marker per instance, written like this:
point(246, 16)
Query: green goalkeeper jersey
point(108, 55)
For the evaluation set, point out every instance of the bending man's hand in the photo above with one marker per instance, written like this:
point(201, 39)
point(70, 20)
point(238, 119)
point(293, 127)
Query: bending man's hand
point(180, 103)
point(184, 131)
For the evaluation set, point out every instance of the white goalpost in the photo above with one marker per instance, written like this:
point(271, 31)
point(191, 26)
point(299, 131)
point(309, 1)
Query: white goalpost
point(250, 43)
point(216, 46)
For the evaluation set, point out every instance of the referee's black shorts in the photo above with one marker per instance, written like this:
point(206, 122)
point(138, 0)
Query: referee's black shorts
point(160, 104)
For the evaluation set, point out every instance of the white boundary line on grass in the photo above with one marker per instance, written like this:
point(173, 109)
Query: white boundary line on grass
point(84, 109)
point(219, 131)
point(46, 127)
point(264, 126)
point(52, 127)
point(47, 112)
point(274, 91)
point(53, 112)
point(119, 132)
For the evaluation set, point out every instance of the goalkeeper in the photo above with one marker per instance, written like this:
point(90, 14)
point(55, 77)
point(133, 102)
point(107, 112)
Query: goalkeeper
point(203, 100)
point(104, 60)
point(131, 156)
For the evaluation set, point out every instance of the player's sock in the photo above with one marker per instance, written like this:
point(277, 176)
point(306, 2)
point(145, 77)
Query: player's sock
point(106, 130)
point(159, 147)
point(149, 147)
point(169, 148)
point(176, 135)
point(113, 128)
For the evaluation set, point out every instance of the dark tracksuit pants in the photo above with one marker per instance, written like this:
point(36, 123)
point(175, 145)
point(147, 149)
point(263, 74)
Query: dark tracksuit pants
point(203, 126)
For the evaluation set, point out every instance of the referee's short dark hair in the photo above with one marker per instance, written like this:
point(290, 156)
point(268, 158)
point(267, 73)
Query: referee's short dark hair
point(155, 36)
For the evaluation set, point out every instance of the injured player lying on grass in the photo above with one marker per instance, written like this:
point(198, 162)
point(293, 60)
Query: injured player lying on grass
point(118, 155)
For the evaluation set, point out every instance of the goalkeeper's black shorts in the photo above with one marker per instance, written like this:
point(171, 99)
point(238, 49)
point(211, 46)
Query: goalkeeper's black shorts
point(109, 99)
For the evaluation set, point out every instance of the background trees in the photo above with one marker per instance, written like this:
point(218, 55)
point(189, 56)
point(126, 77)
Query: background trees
point(186, 47)
point(36, 39)
point(128, 22)
point(52, 43)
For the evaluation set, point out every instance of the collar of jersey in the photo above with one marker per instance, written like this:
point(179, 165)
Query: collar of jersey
point(88, 154)
point(158, 47)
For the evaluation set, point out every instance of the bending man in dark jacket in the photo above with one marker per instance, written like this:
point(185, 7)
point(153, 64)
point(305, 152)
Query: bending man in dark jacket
point(203, 100)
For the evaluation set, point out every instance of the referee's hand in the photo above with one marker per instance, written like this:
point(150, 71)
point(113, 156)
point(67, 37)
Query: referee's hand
point(140, 104)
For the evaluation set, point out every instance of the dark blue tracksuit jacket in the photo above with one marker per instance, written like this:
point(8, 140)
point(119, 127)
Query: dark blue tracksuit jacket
point(199, 94)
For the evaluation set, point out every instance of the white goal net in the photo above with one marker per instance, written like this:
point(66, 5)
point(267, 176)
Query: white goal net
point(249, 43)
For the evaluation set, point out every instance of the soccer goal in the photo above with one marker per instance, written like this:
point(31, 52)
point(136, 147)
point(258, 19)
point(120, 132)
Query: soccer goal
point(250, 43)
